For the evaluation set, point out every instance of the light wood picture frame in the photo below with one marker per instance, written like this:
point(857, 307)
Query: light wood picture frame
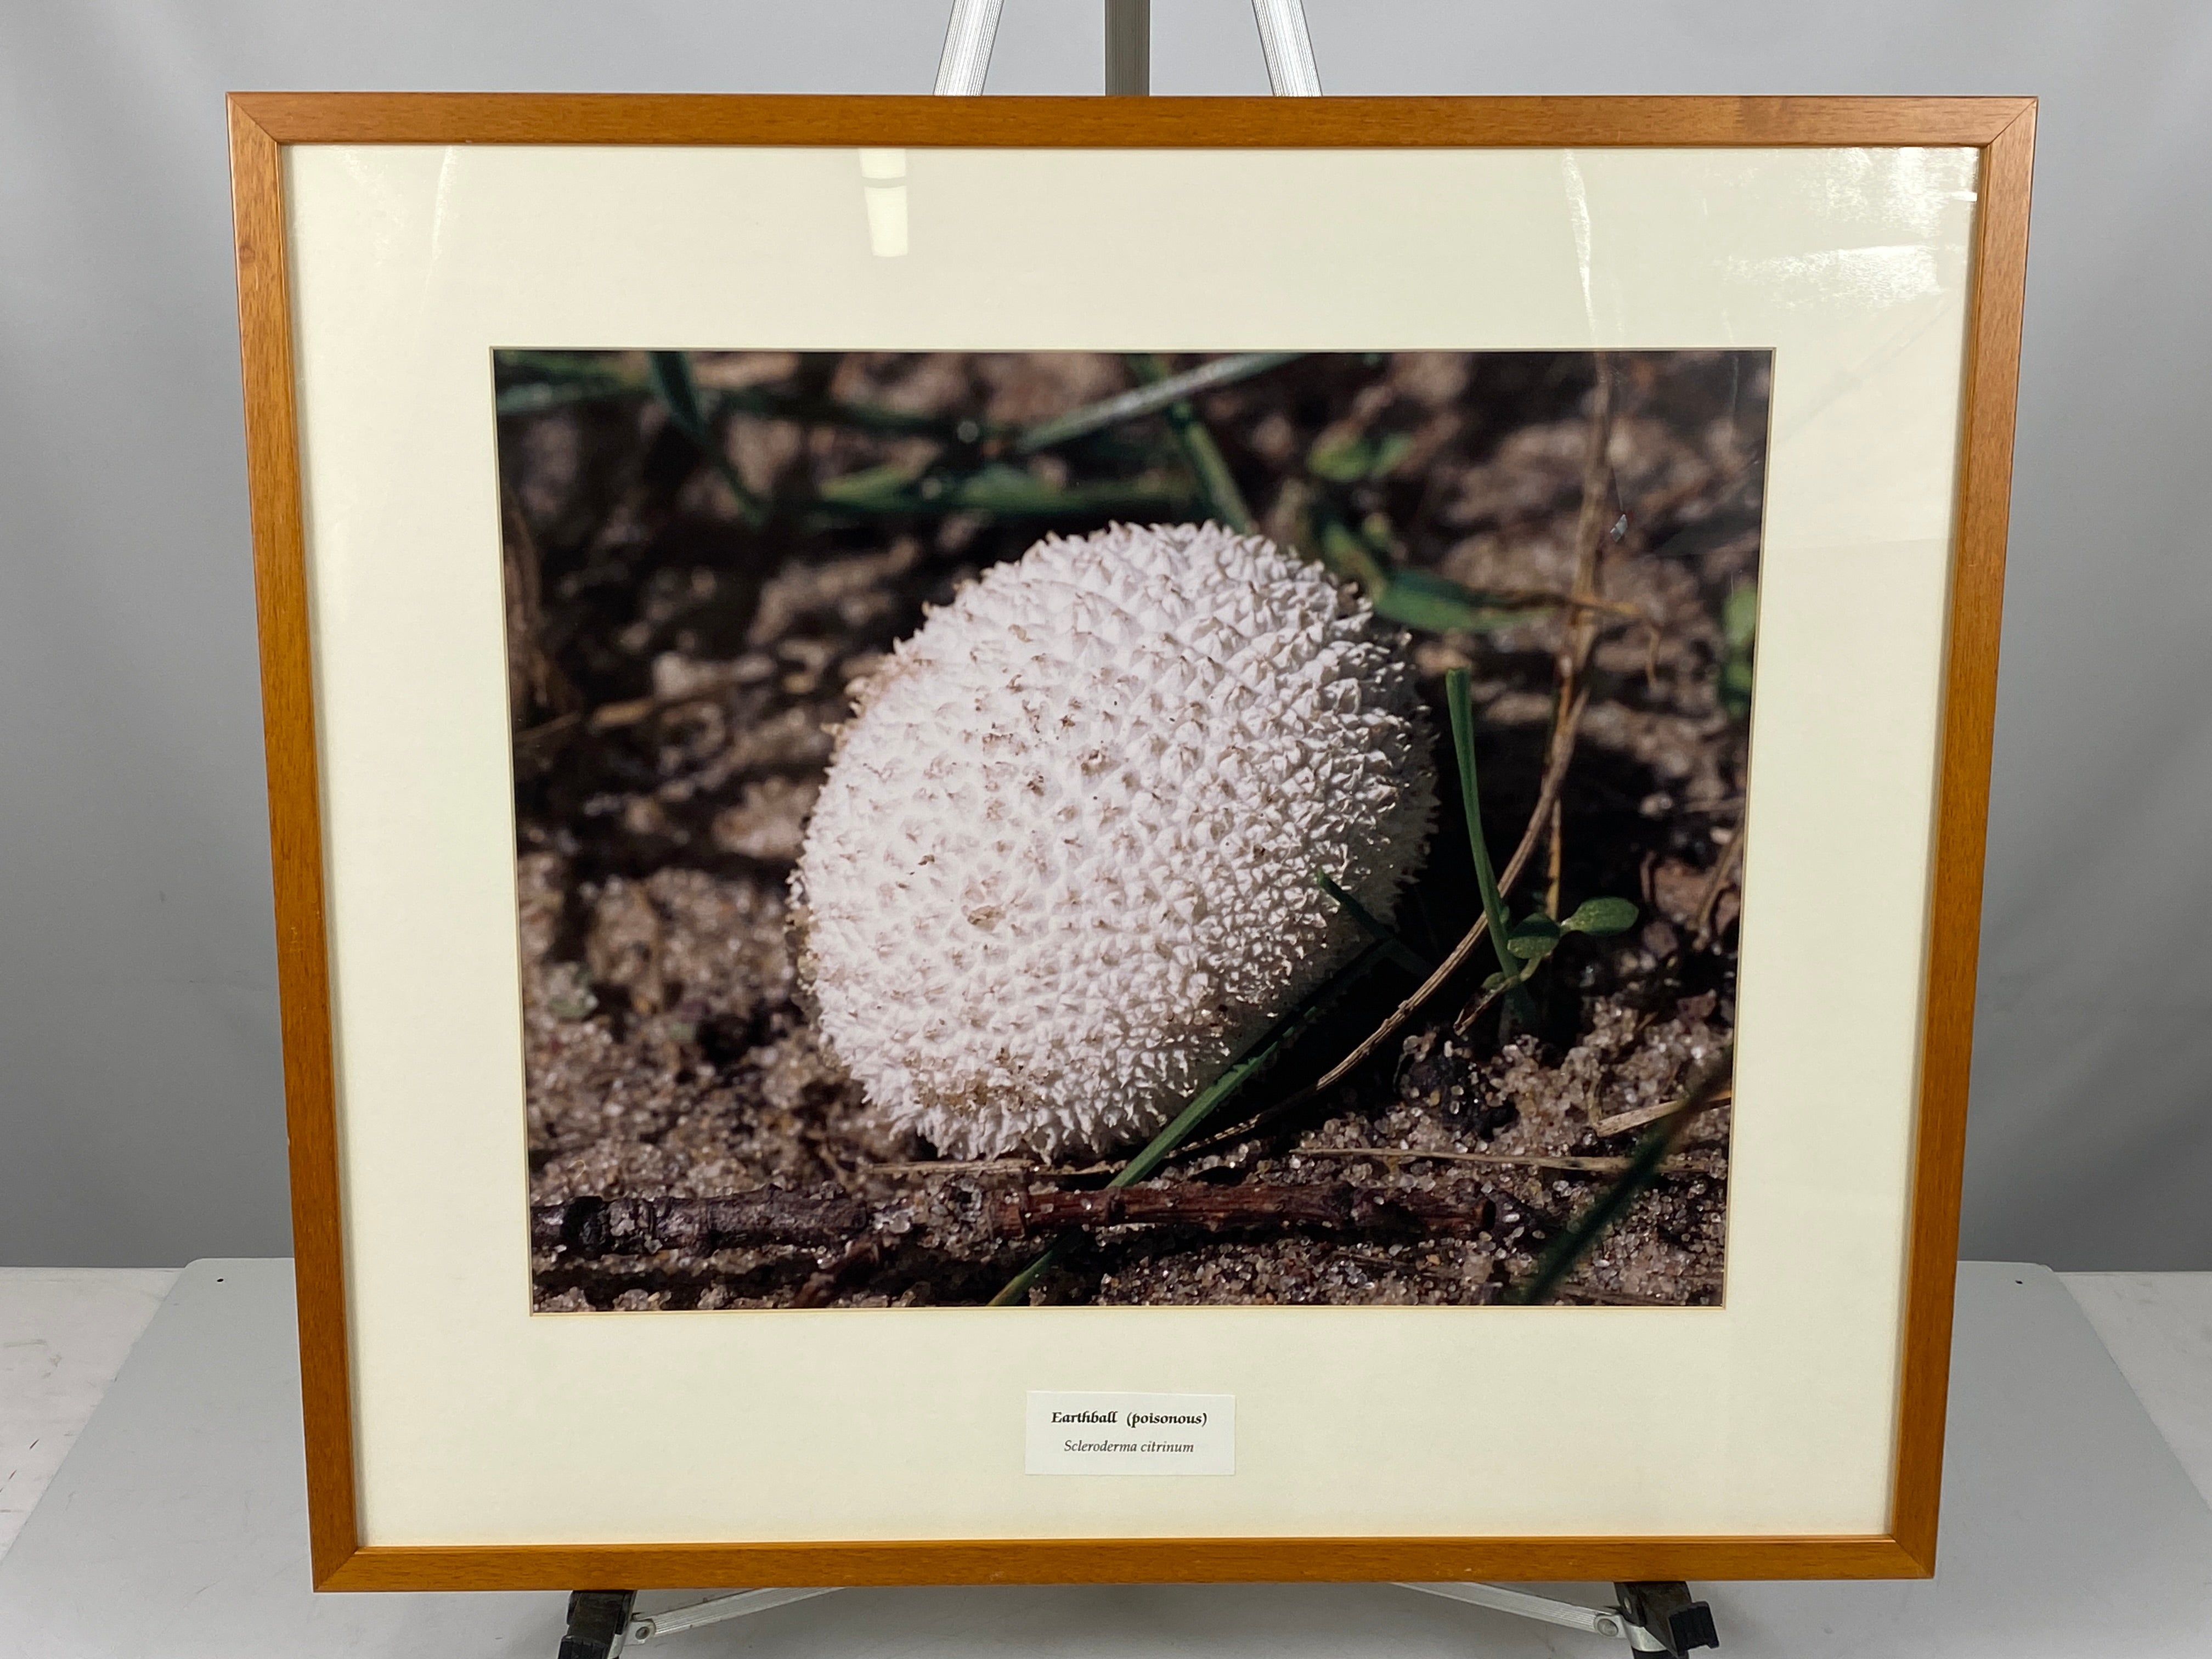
point(268, 130)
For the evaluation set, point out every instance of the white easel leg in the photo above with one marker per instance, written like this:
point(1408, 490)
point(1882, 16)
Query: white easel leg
point(1291, 72)
point(968, 38)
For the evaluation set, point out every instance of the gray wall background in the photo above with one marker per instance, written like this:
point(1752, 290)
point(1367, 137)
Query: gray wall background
point(141, 1117)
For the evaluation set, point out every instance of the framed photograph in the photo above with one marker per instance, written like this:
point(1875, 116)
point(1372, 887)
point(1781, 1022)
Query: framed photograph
point(1048, 839)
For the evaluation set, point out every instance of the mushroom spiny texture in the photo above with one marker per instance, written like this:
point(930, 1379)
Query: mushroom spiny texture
point(1062, 869)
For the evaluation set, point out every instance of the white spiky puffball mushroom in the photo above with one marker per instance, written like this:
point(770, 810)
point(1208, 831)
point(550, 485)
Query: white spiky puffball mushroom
point(1062, 869)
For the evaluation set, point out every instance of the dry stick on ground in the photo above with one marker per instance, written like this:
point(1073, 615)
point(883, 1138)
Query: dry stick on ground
point(1551, 860)
point(1560, 1161)
point(590, 1226)
point(1621, 1121)
point(1579, 632)
point(1334, 1205)
point(609, 717)
point(1724, 867)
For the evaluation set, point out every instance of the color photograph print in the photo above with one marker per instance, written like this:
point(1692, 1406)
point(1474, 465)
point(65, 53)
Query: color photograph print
point(1060, 828)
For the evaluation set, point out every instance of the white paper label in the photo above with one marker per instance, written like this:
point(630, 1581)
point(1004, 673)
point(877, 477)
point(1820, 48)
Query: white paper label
point(1132, 1434)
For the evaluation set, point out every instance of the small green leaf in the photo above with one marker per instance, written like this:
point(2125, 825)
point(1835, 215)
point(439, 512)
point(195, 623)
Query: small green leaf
point(1600, 918)
point(1738, 630)
point(1386, 451)
point(1421, 599)
point(870, 486)
point(1356, 457)
point(1349, 560)
point(1340, 460)
point(1740, 616)
point(1533, 937)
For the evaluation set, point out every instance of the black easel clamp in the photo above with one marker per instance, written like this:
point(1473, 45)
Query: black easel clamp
point(598, 1620)
point(1661, 1610)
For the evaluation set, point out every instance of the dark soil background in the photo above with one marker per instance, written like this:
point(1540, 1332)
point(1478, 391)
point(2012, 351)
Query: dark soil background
point(704, 549)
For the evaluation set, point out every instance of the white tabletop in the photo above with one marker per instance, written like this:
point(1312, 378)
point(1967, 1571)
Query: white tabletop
point(177, 1530)
point(64, 1332)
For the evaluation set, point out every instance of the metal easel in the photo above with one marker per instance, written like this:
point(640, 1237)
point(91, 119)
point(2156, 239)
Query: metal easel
point(1651, 1616)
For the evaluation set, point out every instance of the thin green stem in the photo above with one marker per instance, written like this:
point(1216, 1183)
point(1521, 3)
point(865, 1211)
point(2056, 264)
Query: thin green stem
point(1456, 695)
point(1003, 490)
point(770, 404)
point(1144, 399)
point(1215, 482)
point(672, 383)
point(1392, 946)
point(585, 366)
point(547, 379)
point(534, 397)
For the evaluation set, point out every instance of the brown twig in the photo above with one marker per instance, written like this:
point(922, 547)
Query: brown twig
point(1581, 634)
point(1560, 1161)
point(1724, 867)
point(611, 716)
point(1578, 637)
point(1512, 598)
point(534, 679)
point(1477, 1007)
point(1330, 1206)
point(1621, 1121)
point(593, 1227)
point(1551, 860)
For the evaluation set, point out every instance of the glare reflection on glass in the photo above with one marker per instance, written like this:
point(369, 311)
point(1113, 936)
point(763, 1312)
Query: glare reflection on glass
point(883, 174)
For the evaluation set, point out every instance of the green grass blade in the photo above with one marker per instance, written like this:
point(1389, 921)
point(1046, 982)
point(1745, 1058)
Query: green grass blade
point(1392, 946)
point(772, 404)
point(1438, 605)
point(531, 397)
point(670, 373)
point(1458, 696)
point(1147, 398)
point(1005, 492)
point(565, 366)
point(1224, 502)
point(1349, 559)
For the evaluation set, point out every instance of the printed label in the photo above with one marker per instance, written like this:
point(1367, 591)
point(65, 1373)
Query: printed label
point(1132, 1434)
